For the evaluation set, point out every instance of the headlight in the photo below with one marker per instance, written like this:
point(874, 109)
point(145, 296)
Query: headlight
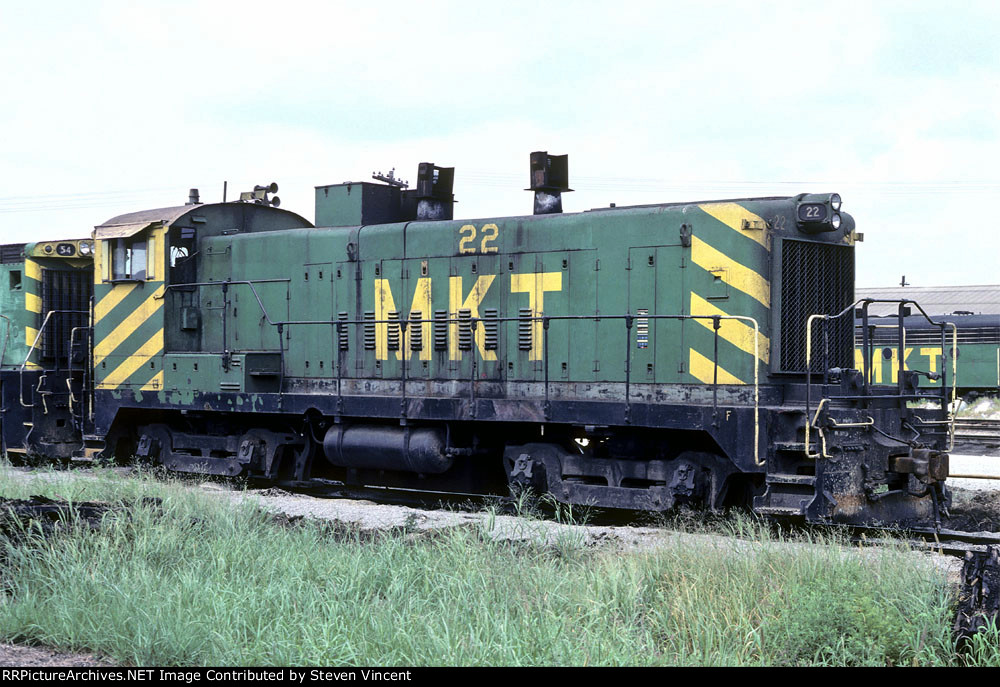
point(835, 202)
point(85, 248)
point(835, 220)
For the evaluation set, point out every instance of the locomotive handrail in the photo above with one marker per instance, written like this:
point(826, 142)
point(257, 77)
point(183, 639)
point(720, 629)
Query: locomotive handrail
point(870, 422)
point(403, 323)
point(6, 339)
point(84, 370)
point(34, 344)
point(951, 427)
point(868, 363)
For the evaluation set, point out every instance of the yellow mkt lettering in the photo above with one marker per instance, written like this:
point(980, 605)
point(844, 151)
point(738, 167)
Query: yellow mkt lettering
point(895, 362)
point(535, 284)
point(471, 303)
point(932, 357)
point(385, 304)
point(892, 363)
point(859, 363)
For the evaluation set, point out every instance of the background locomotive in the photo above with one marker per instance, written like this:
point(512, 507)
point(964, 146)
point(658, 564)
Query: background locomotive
point(635, 357)
point(45, 297)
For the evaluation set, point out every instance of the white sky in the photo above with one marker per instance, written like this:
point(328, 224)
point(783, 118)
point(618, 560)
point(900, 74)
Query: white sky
point(114, 107)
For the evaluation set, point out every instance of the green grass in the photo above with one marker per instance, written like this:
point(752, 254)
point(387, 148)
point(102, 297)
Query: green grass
point(200, 582)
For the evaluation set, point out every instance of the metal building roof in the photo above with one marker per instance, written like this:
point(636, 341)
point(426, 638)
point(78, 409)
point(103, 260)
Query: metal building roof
point(937, 300)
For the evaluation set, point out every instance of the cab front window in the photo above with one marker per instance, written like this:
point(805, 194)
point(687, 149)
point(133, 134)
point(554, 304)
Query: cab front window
point(130, 258)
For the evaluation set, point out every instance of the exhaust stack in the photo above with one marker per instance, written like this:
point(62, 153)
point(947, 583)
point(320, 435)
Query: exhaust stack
point(549, 180)
point(435, 199)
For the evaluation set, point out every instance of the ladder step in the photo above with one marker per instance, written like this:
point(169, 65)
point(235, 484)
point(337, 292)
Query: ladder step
point(779, 510)
point(785, 478)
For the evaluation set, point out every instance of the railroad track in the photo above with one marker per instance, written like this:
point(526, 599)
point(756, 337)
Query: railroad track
point(944, 541)
point(978, 431)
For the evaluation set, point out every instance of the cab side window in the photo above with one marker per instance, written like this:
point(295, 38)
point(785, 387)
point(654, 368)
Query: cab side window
point(182, 255)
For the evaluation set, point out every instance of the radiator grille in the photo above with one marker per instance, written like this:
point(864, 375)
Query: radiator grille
point(64, 290)
point(816, 278)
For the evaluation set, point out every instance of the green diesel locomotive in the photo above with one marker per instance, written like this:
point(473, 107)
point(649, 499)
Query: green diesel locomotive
point(624, 357)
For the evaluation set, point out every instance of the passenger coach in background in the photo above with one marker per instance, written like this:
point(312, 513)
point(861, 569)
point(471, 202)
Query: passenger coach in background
point(973, 348)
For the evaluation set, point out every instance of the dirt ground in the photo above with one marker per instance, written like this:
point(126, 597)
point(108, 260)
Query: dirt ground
point(12, 655)
point(974, 511)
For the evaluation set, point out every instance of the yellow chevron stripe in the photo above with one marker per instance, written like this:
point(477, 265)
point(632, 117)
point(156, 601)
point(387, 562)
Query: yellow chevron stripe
point(110, 342)
point(733, 273)
point(30, 333)
point(154, 384)
point(704, 371)
point(132, 363)
point(733, 331)
point(33, 302)
point(111, 299)
point(32, 270)
point(734, 215)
